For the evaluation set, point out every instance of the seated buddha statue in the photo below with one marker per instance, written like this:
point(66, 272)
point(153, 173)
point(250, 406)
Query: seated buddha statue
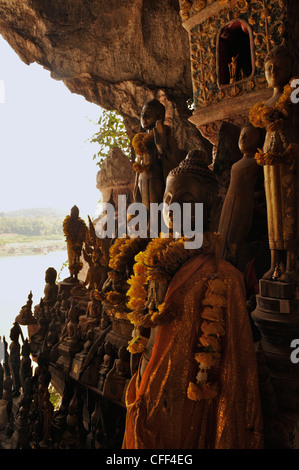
point(71, 335)
point(92, 317)
point(118, 375)
point(199, 388)
point(51, 288)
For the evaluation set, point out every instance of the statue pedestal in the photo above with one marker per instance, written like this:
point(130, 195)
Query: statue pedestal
point(278, 322)
point(115, 389)
point(277, 318)
point(67, 353)
point(121, 333)
point(76, 366)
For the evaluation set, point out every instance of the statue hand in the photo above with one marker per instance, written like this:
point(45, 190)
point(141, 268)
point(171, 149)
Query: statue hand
point(160, 137)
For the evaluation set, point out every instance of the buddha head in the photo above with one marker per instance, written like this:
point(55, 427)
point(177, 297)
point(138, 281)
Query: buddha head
point(151, 113)
point(278, 67)
point(251, 138)
point(50, 276)
point(191, 182)
point(74, 212)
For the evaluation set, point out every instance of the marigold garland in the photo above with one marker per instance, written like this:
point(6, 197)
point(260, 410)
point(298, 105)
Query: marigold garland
point(75, 231)
point(208, 355)
point(137, 344)
point(270, 158)
point(122, 252)
point(273, 119)
point(159, 262)
point(143, 144)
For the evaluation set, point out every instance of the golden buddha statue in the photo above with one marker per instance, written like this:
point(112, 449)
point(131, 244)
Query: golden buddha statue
point(199, 388)
point(279, 157)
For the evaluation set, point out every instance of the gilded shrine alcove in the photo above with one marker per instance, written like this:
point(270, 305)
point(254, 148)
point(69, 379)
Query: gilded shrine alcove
point(229, 40)
point(235, 53)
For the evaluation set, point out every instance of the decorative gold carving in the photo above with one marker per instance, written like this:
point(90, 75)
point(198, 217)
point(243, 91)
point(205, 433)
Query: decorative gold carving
point(266, 19)
point(185, 6)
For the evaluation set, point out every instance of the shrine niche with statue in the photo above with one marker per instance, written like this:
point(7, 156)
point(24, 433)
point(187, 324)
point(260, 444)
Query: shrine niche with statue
point(228, 43)
point(146, 340)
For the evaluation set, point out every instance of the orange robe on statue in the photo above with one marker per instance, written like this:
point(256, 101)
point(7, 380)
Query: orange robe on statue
point(159, 413)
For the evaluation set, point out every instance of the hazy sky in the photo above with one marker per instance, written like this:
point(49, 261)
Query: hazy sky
point(45, 159)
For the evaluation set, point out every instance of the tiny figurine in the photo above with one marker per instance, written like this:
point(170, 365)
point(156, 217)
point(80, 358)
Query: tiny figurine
point(106, 365)
point(117, 377)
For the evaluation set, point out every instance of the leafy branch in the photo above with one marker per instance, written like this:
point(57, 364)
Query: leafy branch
point(111, 133)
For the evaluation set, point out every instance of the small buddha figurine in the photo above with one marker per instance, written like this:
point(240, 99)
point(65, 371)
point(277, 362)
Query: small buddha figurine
point(8, 393)
point(279, 158)
point(38, 337)
point(25, 365)
point(14, 358)
point(93, 315)
point(51, 288)
point(25, 316)
point(21, 435)
point(156, 154)
point(106, 365)
point(121, 367)
point(71, 338)
point(75, 231)
point(45, 407)
point(238, 207)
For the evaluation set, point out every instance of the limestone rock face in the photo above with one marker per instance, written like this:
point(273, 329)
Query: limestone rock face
point(117, 54)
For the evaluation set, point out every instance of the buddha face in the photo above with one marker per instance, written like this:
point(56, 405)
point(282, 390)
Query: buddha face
point(183, 189)
point(249, 139)
point(278, 71)
point(149, 116)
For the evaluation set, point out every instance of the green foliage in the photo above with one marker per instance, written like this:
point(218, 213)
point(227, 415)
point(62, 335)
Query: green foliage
point(63, 266)
point(55, 397)
point(44, 222)
point(112, 133)
point(31, 226)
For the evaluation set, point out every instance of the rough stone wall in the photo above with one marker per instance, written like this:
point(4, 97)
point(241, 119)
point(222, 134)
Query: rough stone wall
point(117, 54)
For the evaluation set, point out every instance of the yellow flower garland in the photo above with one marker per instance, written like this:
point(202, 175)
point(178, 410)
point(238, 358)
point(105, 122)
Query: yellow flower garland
point(208, 354)
point(273, 119)
point(143, 144)
point(160, 260)
point(75, 234)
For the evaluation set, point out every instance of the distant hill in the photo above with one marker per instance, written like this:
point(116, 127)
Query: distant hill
point(44, 212)
point(40, 221)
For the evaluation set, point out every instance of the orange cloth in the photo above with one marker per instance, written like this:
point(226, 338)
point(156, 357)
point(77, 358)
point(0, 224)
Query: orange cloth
point(159, 413)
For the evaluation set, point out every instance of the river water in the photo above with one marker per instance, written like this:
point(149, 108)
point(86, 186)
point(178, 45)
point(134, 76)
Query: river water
point(19, 275)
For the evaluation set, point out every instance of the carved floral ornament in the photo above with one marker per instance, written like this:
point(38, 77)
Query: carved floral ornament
point(264, 19)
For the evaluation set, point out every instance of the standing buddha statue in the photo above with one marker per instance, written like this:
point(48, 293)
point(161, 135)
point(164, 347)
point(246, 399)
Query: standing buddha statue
point(279, 158)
